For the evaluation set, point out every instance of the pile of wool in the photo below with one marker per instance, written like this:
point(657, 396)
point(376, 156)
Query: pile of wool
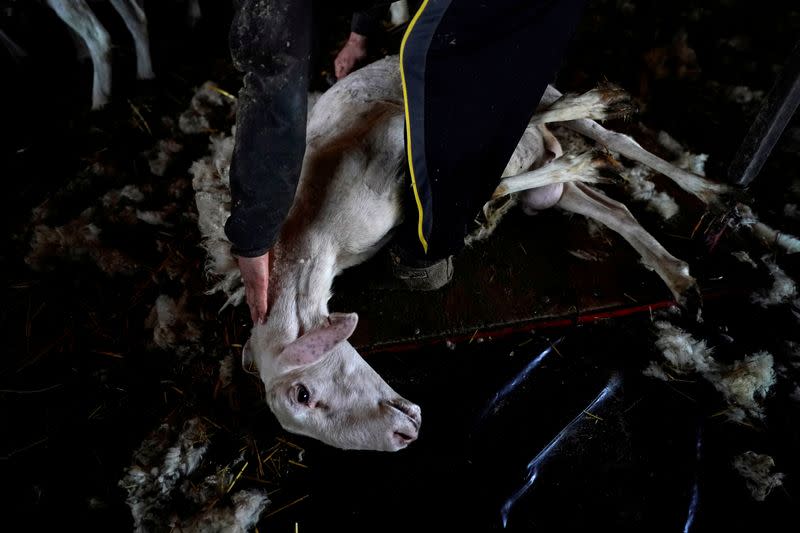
point(756, 468)
point(743, 384)
point(171, 487)
point(643, 189)
point(783, 289)
point(212, 197)
point(211, 110)
point(160, 157)
point(174, 324)
point(78, 241)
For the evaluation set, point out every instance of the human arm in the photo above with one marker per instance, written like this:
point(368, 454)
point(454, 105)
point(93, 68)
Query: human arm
point(270, 43)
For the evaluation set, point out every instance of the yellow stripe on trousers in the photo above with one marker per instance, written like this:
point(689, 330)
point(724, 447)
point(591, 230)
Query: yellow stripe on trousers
point(408, 125)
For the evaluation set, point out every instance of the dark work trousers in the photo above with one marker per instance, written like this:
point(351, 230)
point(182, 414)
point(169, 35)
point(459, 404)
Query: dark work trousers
point(473, 74)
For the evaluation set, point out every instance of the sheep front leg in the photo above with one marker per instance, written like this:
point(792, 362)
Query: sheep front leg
point(587, 201)
point(136, 22)
point(77, 15)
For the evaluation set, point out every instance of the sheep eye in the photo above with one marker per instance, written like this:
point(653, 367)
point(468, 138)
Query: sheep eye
point(302, 394)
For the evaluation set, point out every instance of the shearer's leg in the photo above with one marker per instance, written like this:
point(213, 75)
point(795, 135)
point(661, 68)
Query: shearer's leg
point(473, 75)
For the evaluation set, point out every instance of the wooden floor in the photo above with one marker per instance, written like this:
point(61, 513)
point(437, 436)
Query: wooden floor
point(533, 270)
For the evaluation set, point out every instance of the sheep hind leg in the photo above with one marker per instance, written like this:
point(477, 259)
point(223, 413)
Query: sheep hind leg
point(585, 200)
point(705, 190)
point(604, 102)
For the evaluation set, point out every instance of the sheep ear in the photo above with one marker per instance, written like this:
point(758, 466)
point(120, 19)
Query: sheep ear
point(312, 346)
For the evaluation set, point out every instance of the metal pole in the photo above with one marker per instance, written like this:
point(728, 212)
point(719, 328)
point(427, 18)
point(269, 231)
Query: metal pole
point(778, 107)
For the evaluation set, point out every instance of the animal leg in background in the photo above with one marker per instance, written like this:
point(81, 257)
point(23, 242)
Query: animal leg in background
point(136, 22)
point(77, 15)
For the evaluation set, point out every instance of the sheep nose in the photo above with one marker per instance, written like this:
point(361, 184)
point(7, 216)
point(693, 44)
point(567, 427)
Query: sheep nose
point(411, 410)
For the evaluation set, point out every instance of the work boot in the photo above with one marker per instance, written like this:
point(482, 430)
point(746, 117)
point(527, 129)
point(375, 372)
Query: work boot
point(418, 274)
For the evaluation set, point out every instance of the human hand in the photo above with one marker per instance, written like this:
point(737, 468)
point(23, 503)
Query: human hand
point(255, 274)
point(353, 52)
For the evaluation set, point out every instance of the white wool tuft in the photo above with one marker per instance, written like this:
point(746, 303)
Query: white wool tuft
point(172, 322)
point(642, 189)
point(742, 94)
point(654, 370)
point(743, 384)
point(207, 104)
point(684, 159)
point(165, 474)
point(755, 469)
point(744, 257)
point(695, 163)
point(212, 197)
point(160, 156)
point(151, 482)
point(783, 287)
point(684, 352)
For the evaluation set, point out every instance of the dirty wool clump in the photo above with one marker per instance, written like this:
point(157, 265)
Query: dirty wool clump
point(226, 368)
point(744, 257)
point(161, 155)
point(746, 382)
point(239, 517)
point(83, 239)
point(683, 352)
point(783, 289)
point(211, 110)
point(212, 197)
point(639, 177)
point(681, 157)
point(756, 468)
point(159, 463)
point(173, 322)
point(743, 384)
point(167, 490)
point(77, 241)
point(642, 189)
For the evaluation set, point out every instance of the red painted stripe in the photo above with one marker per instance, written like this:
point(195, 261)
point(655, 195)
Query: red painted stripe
point(530, 325)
